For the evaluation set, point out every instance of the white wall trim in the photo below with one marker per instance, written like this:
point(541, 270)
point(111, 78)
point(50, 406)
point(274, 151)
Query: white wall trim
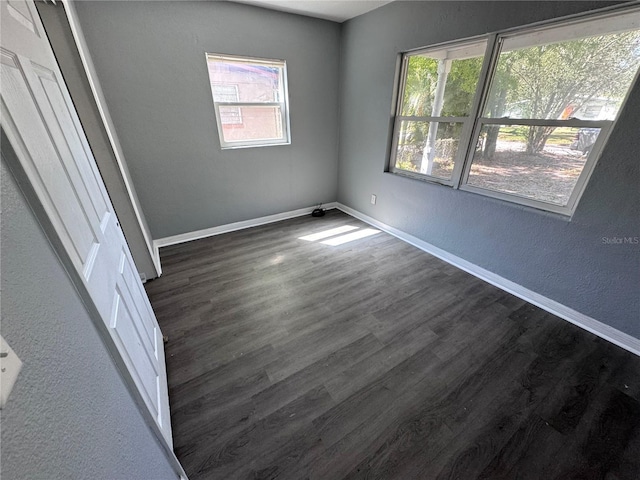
point(592, 325)
point(101, 103)
point(232, 227)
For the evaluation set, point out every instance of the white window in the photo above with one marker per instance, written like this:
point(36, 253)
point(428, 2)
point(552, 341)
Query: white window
point(521, 116)
point(436, 106)
point(250, 100)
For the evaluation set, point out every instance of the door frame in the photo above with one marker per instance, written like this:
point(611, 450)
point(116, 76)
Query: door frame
point(10, 156)
point(14, 159)
point(107, 123)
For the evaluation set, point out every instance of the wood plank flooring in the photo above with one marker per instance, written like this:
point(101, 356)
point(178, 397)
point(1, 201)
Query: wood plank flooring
point(294, 359)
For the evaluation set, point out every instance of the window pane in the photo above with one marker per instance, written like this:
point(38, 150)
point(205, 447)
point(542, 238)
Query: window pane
point(230, 115)
point(250, 100)
point(245, 82)
point(428, 147)
point(504, 163)
point(252, 123)
point(586, 78)
point(225, 93)
point(442, 83)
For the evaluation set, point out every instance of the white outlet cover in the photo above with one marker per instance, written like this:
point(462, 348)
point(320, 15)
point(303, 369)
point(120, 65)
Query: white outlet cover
point(10, 366)
point(373, 199)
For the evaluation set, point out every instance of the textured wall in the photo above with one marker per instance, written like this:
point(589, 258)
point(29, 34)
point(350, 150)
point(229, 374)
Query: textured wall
point(70, 414)
point(150, 58)
point(61, 38)
point(565, 260)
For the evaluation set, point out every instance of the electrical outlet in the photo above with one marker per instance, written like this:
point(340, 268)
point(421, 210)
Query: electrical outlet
point(373, 199)
point(10, 366)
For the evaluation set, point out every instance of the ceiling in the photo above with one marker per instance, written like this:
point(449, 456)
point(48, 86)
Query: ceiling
point(337, 11)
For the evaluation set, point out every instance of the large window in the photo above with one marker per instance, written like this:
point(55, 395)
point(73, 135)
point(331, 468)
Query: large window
point(520, 116)
point(250, 100)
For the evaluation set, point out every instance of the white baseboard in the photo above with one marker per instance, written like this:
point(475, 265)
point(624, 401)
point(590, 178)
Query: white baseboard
point(592, 325)
point(232, 227)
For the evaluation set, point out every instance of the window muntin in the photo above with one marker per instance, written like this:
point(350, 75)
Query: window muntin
point(250, 100)
point(543, 112)
point(437, 96)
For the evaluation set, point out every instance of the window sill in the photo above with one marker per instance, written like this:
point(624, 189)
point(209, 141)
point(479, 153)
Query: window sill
point(489, 195)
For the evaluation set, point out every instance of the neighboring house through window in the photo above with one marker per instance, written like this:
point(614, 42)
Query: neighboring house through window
point(227, 93)
point(250, 100)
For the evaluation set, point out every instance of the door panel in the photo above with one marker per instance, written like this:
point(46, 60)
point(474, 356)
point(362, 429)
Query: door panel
point(77, 149)
point(21, 12)
point(44, 162)
point(43, 127)
point(131, 339)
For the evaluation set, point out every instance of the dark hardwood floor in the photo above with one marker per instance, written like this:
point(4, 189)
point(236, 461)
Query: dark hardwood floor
point(294, 359)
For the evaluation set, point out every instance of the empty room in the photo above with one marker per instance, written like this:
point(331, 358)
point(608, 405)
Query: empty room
point(320, 240)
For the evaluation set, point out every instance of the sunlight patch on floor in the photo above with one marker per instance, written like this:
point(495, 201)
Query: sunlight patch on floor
point(340, 235)
point(327, 233)
point(350, 237)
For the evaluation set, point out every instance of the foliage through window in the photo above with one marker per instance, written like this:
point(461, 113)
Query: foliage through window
point(521, 116)
point(436, 104)
point(250, 100)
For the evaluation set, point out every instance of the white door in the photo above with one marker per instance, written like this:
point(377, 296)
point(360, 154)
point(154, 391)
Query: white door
point(41, 123)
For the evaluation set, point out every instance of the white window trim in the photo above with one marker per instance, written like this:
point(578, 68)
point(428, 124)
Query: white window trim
point(467, 122)
point(472, 128)
point(283, 104)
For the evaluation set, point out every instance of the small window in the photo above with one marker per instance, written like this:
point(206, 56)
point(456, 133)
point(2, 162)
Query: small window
point(250, 101)
point(521, 116)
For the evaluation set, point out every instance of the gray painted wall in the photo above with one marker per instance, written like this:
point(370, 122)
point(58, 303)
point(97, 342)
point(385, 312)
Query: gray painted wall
point(565, 260)
point(150, 58)
point(70, 414)
point(63, 44)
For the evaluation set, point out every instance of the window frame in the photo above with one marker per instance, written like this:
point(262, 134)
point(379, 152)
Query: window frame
point(470, 136)
point(467, 122)
point(581, 182)
point(283, 103)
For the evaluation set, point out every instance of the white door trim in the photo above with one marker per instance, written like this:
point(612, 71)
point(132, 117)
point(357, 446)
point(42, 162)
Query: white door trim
point(105, 116)
point(59, 249)
point(53, 165)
